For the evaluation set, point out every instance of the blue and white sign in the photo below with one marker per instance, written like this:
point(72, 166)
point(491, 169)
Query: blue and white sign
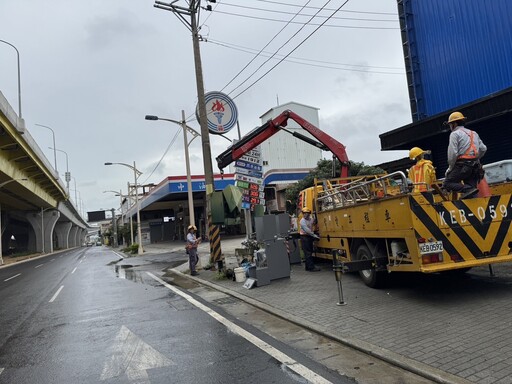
point(221, 112)
point(247, 165)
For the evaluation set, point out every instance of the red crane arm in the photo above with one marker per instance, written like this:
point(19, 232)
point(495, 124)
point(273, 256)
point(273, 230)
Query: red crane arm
point(271, 127)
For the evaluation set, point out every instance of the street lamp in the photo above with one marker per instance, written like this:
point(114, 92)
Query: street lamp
point(67, 175)
point(54, 150)
point(136, 174)
point(186, 143)
point(19, 77)
point(121, 196)
point(1, 231)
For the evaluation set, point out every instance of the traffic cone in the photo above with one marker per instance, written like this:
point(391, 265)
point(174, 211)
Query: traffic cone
point(483, 188)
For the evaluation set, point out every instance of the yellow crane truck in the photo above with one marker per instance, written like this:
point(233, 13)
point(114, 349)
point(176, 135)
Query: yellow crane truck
point(375, 225)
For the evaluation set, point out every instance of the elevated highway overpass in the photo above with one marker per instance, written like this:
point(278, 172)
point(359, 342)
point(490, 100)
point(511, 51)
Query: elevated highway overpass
point(35, 207)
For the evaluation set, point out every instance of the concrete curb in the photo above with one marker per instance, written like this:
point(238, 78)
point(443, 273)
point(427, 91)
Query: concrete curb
point(386, 355)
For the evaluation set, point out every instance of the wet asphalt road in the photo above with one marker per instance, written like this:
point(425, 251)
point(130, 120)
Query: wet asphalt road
point(80, 317)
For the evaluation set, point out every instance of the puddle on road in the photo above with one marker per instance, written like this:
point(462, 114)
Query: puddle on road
point(127, 272)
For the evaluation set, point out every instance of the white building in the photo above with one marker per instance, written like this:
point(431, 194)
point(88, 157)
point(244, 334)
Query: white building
point(287, 159)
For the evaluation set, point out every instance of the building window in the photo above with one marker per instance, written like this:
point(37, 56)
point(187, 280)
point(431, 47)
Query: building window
point(265, 162)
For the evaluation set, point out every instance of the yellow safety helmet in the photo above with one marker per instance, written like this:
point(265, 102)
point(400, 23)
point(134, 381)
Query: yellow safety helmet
point(306, 210)
point(415, 152)
point(192, 227)
point(456, 116)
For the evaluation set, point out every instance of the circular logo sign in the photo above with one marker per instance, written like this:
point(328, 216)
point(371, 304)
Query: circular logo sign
point(221, 112)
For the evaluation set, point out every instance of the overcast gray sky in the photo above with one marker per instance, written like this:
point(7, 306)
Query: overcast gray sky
point(92, 70)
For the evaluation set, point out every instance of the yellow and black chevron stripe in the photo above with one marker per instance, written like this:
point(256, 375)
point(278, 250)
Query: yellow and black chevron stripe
point(215, 249)
point(478, 228)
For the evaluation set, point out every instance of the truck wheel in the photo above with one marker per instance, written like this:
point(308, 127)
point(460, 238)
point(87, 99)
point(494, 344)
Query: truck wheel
point(370, 277)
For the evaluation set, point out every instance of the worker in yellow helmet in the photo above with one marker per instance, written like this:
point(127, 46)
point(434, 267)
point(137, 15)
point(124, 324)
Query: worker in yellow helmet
point(422, 174)
point(465, 150)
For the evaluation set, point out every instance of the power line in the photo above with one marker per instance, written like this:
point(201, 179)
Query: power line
point(305, 15)
point(327, 9)
point(308, 23)
point(161, 158)
point(266, 45)
point(317, 63)
point(275, 53)
point(293, 50)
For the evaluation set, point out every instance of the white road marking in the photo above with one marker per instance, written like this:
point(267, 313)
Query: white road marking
point(298, 368)
point(132, 356)
point(56, 294)
point(52, 259)
point(1, 370)
point(37, 266)
point(12, 277)
point(74, 270)
point(81, 261)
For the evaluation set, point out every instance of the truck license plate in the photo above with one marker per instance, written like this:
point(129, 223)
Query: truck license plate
point(433, 247)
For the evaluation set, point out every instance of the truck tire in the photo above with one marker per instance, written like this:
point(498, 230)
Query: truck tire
point(370, 277)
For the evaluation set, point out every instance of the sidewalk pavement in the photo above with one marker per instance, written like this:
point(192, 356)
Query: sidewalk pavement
point(450, 336)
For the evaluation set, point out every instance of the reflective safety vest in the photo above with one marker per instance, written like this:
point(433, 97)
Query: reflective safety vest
point(309, 224)
point(472, 151)
point(422, 174)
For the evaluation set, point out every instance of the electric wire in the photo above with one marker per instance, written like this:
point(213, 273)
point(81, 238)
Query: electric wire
point(261, 50)
point(309, 62)
point(165, 153)
point(326, 9)
point(306, 15)
point(313, 24)
point(289, 53)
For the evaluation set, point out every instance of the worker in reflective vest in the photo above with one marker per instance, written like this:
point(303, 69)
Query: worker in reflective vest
point(307, 236)
point(465, 150)
point(422, 174)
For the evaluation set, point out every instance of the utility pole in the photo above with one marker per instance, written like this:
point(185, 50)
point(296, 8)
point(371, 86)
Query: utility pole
point(193, 11)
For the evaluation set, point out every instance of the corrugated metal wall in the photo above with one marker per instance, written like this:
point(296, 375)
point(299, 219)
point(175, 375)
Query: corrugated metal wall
point(456, 51)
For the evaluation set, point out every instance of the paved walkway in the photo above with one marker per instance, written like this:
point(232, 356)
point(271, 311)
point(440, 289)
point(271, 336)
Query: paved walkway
point(450, 330)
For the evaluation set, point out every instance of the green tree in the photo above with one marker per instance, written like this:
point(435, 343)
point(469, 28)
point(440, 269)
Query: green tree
point(323, 170)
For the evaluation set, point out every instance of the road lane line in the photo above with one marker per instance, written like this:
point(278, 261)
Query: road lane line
point(56, 294)
point(37, 266)
point(12, 277)
point(52, 259)
point(298, 368)
point(74, 270)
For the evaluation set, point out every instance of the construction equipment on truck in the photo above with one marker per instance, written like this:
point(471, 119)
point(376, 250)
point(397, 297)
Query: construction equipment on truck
point(375, 225)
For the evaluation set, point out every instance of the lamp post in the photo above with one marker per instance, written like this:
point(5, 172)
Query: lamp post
point(136, 174)
point(1, 230)
point(54, 150)
point(67, 175)
point(74, 180)
point(121, 207)
point(19, 76)
point(186, 143)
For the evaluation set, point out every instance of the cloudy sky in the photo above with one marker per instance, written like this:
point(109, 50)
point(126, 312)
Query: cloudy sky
point(91, 70)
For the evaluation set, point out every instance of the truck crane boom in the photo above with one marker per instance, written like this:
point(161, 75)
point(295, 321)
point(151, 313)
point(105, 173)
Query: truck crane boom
point(271, 127)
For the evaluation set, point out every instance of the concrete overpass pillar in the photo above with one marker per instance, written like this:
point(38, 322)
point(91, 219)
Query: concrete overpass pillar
point(73, 237)
point(82, 235)
point(62, 232)
point(43, 224)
